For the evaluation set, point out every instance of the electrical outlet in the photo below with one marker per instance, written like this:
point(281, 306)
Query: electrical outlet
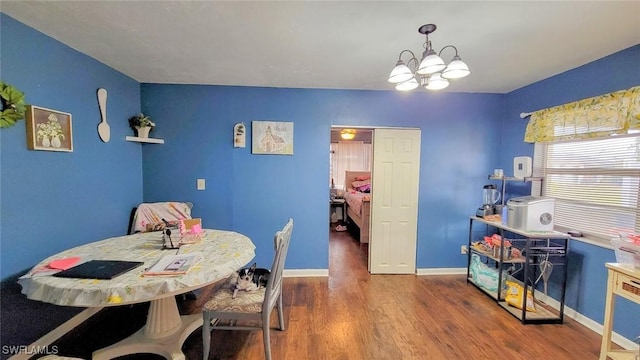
point(463, 249)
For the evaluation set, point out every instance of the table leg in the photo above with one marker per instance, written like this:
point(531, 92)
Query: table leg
point(608, 317)
point(163, 334)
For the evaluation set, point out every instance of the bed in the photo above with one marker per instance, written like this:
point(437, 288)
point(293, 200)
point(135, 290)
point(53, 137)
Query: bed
point(358, 203)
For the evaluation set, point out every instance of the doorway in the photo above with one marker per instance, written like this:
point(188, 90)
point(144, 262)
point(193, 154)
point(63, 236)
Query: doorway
point(397, 178)
point(348, 153)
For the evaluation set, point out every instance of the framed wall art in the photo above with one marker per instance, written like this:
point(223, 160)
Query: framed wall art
point(48, 129)
point(272, 137)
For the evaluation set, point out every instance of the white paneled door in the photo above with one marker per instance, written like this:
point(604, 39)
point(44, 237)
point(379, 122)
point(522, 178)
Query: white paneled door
point(394, 201)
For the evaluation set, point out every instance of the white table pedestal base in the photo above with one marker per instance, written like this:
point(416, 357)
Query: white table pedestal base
point(163, 334)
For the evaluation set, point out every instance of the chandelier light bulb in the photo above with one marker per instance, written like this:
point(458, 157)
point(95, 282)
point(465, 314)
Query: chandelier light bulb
point(456, 69)
point(400, 73)
point(431, 63)
point(436, 82)
point(407, 85)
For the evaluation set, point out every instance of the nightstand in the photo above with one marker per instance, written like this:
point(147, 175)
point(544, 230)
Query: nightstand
point(338, 204)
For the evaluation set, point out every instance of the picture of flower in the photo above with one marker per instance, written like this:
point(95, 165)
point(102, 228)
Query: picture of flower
point(50, 133)
point(48, 129)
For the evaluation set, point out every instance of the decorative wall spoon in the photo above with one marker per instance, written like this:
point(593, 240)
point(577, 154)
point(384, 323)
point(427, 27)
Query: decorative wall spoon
point(103, 128)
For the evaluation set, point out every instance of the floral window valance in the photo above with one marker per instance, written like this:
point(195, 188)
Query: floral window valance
point(613, 113)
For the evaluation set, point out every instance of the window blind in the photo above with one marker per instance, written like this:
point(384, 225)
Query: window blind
point(595, 183)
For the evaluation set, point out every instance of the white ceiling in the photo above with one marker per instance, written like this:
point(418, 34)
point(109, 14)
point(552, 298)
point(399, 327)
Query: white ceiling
point(333, 44)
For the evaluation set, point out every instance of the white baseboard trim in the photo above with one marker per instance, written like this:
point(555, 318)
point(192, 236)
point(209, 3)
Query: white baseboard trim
point(587, 322)
point(56, 333)
point(306, 273)
point(442, 271)
point(325, 272)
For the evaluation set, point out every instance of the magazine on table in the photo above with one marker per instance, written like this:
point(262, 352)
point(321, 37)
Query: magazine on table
point(173, 264)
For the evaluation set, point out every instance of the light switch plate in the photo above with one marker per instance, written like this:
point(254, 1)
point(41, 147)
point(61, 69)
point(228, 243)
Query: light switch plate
point(200, 184)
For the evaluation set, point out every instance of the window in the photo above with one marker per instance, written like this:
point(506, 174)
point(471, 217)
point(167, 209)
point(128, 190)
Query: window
point(595, 183)
point(348, 155)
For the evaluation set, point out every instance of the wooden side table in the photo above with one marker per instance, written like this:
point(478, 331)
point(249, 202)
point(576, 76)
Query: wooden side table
point(622, 281)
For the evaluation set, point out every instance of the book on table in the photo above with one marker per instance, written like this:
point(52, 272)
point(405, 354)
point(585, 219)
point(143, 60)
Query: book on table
point(171, 265)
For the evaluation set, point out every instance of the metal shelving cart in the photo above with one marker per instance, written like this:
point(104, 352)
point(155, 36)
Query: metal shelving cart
point(535, 247)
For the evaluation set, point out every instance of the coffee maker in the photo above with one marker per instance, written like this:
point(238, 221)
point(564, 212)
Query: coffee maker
point(490, 196)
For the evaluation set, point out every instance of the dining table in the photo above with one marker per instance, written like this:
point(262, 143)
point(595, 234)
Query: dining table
point(222, 253)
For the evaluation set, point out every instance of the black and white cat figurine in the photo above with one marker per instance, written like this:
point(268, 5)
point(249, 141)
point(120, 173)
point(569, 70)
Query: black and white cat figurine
point(249, 279)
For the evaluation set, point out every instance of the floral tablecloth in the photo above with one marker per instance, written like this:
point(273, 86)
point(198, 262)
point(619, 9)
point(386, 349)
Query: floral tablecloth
point(223, 253)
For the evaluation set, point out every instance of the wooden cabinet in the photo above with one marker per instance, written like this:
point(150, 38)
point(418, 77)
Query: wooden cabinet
point(623, 281)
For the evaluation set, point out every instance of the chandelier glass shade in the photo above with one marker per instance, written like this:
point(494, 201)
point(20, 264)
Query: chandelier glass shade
point(431, 72)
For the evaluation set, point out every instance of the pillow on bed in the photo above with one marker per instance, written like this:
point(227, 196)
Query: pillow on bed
point(362, 186)
point(362, 177)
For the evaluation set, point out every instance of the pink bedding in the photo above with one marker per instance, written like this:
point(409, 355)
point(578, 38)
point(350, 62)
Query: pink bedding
point(354, 199)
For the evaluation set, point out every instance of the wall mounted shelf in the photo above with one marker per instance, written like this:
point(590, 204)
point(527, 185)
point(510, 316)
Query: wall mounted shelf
point(144, 140)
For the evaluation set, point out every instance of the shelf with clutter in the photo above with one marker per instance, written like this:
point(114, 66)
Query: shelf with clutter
point(513, 267)
point(522, 171)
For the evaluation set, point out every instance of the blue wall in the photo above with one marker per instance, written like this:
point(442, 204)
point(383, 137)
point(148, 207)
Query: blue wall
point(255, 194)
point(587, 279)
point(51, 201)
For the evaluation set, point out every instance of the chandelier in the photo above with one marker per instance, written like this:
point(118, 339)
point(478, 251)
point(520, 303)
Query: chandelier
point(431, 72)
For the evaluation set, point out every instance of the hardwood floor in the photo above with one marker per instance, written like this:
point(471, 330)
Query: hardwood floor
point(353, 315)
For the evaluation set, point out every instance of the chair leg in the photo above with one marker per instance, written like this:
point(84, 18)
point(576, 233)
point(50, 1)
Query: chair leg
point(206, 335)
point(280, 313)
point(266, 336)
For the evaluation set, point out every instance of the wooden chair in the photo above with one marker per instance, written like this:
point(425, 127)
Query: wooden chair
point(254, 305)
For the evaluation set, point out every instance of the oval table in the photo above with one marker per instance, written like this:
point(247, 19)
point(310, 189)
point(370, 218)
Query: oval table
point(165, 330)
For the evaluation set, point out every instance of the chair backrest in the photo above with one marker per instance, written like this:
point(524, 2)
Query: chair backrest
point(148, 216)
point(274, 285)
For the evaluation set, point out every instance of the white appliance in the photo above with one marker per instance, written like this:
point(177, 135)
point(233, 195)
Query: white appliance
point(522, 167)
point(531, 213)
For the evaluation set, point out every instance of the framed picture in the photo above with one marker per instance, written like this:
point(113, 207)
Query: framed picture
point(48, 129)
point(272, 137)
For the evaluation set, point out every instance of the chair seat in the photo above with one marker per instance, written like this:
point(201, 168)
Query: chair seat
point(249, 302)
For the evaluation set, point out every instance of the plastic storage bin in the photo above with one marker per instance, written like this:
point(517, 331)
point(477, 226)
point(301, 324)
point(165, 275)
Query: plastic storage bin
point(627, 252)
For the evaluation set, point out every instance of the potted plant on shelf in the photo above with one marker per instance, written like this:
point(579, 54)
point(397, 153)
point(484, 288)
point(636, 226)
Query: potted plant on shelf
point(142, 124)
